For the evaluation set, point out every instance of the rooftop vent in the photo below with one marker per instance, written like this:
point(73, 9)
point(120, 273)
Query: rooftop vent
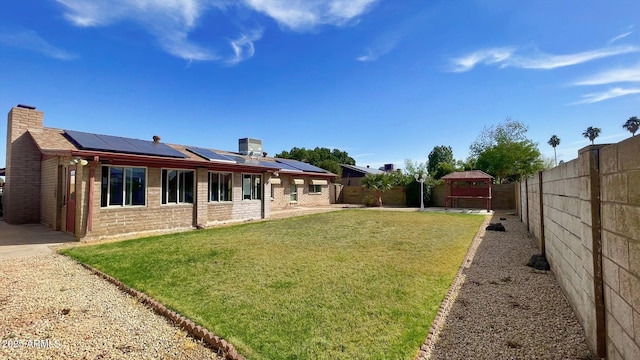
point(249, 146)
point(156, 139)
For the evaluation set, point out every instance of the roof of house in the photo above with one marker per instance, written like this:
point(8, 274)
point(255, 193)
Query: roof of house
point(128, 151)
point(468, 175)
point(362, 169)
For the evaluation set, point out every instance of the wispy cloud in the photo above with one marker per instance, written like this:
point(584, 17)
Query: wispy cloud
point(485, 56)
point(303, 15)
point(507, 57)
point(631, 74)
point(622, 36)
point(30, 40)
point(380, 49)
point(171, 21)
point(387, 41)
point(243, 47)
point(606, 95)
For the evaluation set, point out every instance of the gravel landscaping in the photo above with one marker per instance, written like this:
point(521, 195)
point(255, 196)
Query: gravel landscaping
point(506, 310)
point(53, 308)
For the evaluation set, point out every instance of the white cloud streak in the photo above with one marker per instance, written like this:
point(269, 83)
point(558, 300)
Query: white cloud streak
point(388, 40)
point(243, 47)
point(623, 35)
point(485, 56)
point(606, 95)
point(171, 21)
point(507, 57)
point(30, 40)
point(631, 74)
point(304, 15)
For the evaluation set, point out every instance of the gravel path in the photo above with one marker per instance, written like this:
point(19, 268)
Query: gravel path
point(52, 308)
point(506, 310)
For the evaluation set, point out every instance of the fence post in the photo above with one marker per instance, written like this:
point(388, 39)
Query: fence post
point(596, 237)
point(526, 200)
point(542, 241)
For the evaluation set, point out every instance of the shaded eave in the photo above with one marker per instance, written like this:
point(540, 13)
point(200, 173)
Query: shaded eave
point(156, 161)
point(328, 175)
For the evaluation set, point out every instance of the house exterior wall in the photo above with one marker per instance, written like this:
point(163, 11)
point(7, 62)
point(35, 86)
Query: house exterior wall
point(158, 218)
point(154, 218)
point(21, 194)
point(589, 223)
point(282, 193)
point(49, 192)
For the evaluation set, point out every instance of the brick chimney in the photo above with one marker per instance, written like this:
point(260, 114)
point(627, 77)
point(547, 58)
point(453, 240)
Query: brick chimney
point(21, 195)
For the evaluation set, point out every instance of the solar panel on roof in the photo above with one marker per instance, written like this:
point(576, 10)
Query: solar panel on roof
point(89, 141)
point(286, 167)
point(302, 166)
point(253, 162)
point(209, 155)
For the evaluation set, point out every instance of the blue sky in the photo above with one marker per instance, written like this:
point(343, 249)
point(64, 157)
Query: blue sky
point(383, 80)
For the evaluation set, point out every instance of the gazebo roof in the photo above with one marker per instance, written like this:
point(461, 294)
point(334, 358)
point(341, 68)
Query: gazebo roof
point(468, 175)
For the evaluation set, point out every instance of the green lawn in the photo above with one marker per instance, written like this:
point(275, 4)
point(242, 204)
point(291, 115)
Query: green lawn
point(351, 284)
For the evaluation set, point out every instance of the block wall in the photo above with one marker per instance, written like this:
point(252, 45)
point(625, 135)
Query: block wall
point(620, 202)
point(591, 230)
point(358, 194)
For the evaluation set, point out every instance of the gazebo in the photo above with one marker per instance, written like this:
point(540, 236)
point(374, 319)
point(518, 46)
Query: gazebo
point(474, 184)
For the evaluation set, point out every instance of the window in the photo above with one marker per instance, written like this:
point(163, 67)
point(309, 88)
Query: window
point(315, 189)
point(177, 186)
point(123, 186)
point(251, 187)
point(220, 186)
point(293, 194)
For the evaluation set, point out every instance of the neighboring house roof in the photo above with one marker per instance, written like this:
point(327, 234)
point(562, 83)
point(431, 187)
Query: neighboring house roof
point(129, 151)
point(362, 169)
point(467, 175)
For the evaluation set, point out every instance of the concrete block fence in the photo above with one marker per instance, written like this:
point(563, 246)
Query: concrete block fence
point(585, 216)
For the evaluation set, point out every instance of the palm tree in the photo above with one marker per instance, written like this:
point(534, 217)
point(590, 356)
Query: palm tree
point(591, 133)
point(554, 141)
point(379, 183)
point(632, 125)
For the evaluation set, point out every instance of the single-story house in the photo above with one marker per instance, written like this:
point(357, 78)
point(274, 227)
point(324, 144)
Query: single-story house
point(101, 186)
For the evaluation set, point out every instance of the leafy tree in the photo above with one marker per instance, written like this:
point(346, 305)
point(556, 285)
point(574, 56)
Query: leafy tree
point(508, 131)
point(632, 125)
point(379, 183)
point(439, 154)
point(412, 187)
point(331, 166)
point(554, 141)
point(443, 169)
point(506, 153)
point(592, 133)
point(321, 157)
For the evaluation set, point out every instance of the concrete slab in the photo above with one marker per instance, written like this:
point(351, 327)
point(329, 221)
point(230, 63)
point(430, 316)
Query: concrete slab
point(18, 241)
